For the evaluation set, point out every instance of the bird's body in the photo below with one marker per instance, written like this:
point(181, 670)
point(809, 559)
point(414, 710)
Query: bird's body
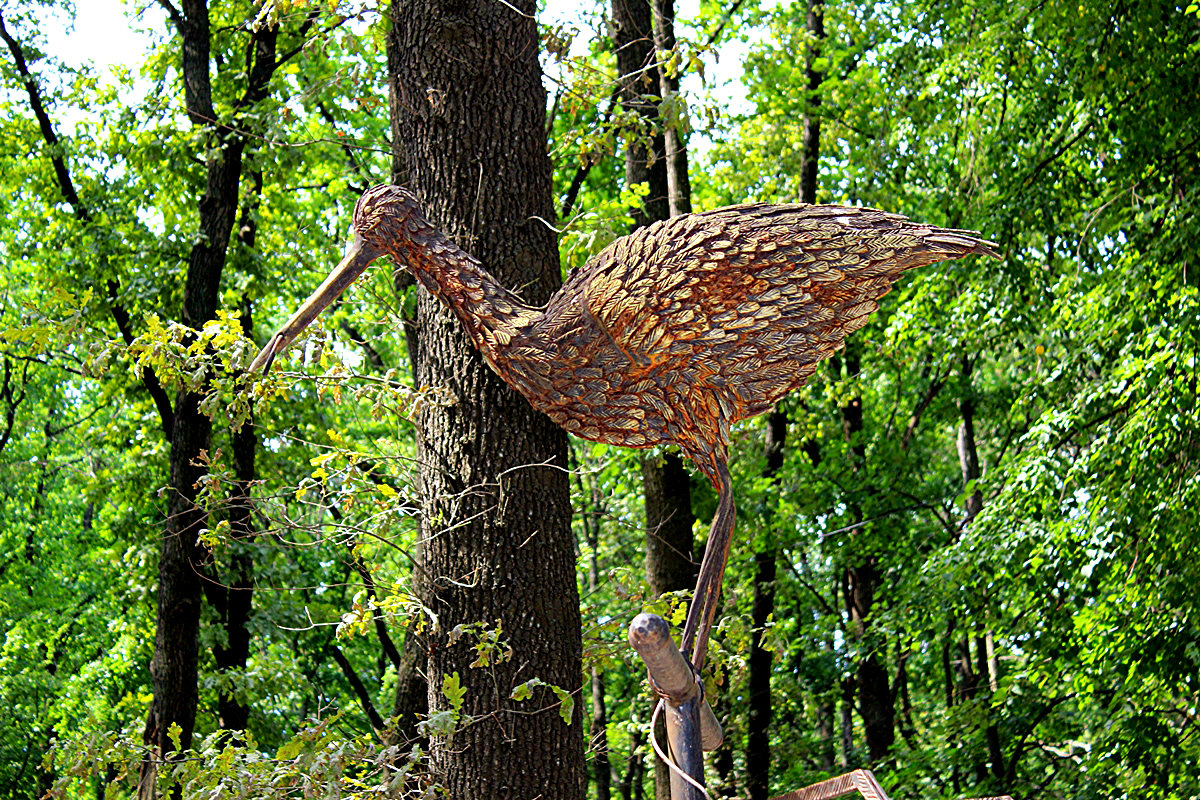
point(671, 334)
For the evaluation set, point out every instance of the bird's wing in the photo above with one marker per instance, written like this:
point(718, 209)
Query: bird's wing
point(748, 299)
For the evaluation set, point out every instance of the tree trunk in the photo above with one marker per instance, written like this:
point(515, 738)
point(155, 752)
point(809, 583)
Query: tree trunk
point(987, 665)
point(758, 724)
point(875, 702)
point(411, 703)
point(601, 765)
point(878, 707)
point(237, 586)
point(811, 155)
point(498, 551)
point(233, 594)
point(669, 521)
point(968, 452)
point(679, 185)
point(174, 667)
point(826, 709)
point(758, 733)
point(602, 769)
point(850, 758)
point(722, 760)
point(631, 787)
point(633, 38)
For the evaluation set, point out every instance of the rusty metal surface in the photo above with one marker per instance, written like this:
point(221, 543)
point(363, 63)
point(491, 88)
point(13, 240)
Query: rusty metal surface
point(669, 335)
point(860, 780)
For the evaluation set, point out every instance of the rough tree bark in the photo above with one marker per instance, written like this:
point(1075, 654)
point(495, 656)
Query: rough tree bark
point(232, 596)
point(411, 702)
point(498, 551)
point(633, 38)
point(679, 185)
point(811, 154)
point(669, 520)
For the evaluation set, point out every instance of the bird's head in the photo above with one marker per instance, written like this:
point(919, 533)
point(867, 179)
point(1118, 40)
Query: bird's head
point(386, 218)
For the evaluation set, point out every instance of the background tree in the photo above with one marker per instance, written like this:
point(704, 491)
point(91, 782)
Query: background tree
point(123, 417)
point(497, 543)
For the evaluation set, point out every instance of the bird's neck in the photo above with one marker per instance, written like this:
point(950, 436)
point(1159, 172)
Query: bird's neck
point(491, 314)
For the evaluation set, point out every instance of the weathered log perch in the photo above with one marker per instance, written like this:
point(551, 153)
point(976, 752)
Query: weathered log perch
point(691, 724)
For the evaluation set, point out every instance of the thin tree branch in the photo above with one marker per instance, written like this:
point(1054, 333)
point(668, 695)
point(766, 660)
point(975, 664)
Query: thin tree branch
point(582, 172)
point(260, 66)
point(712, 37)
point(356, 684)
point(12, 400)
point(63, 176)
point(176, 17)
point(1054, 156)
point(301, 32)
point(935, 386)
point(347, 149)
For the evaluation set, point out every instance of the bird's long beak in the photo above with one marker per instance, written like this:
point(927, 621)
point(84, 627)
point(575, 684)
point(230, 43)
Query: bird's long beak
point(359, 255)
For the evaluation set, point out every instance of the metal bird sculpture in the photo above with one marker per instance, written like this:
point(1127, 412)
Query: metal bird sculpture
point(669, 335)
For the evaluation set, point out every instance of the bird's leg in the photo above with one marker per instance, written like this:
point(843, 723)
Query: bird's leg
point(703, 609)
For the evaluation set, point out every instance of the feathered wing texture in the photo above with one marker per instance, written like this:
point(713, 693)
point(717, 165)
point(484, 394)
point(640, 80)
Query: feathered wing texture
point(710, 318)
point(675, 332)
point(753, 297)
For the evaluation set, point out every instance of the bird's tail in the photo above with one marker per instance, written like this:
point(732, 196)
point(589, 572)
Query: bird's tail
point(955, 243)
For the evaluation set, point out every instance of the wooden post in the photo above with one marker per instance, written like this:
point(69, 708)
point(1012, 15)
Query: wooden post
point(691, 725)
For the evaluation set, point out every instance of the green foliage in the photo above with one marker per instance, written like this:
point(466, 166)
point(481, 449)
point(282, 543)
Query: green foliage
point(85, 453)
point(319, 761)
point(566, 703)
point(1060, 129)
point(454, 692)
point(1045, 647)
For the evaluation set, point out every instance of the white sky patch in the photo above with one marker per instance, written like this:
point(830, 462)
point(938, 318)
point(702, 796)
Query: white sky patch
point(104, 33)
point(722, 84)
